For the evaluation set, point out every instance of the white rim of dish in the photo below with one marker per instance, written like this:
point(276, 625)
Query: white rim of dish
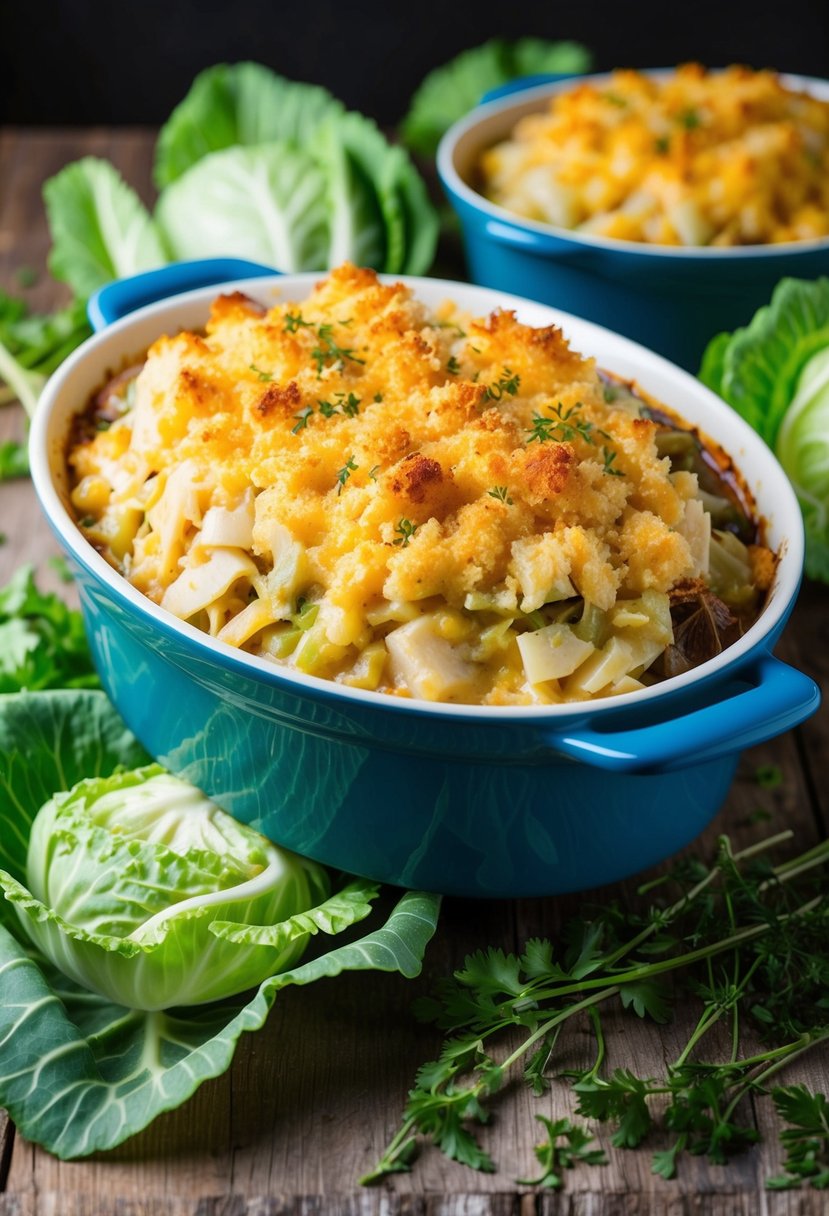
point(47, 443)
point(527, 99)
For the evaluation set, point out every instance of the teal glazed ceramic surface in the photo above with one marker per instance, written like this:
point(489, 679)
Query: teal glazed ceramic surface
point(466, 800)
point(671, 299)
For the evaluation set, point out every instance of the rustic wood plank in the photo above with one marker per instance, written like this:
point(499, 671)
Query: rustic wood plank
point(602, 1203)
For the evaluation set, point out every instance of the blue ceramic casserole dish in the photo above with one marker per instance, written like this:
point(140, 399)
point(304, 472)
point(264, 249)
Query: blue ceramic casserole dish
point(468, 800)
point(672, 299)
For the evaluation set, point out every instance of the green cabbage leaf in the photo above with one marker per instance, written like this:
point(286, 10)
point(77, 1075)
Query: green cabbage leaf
point(253, 165)
point(451, 91)
point(266, 203)
point(775, 373)
point(100, 228)
point(240, 104)
point(115, 870)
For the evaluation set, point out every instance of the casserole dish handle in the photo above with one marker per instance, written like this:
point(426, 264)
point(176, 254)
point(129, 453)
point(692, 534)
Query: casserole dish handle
point(114, 301)
point(778, 698)
point(520, 83)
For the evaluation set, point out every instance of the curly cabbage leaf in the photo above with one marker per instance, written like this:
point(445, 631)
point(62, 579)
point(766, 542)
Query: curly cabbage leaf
point(451, 91)
point(80, 1073)
point(126, 875)
point(100, 229)
point(775, 373)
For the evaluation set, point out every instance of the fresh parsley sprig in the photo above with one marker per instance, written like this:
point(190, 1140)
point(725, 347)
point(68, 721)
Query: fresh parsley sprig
point(806, 1141)
point(745, 938)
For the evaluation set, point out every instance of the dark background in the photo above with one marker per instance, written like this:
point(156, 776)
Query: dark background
point(131, 61)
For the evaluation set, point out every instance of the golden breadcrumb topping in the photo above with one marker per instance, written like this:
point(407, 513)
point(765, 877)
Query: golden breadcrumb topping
point(697, 158)
point(315, 481)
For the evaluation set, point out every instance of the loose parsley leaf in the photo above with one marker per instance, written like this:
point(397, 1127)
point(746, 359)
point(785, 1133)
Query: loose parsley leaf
point(555, 1157)
point(264, 376)
point(42, 641)
point(806, 1142)
point(501, 493)
point(14, 460)
point(623, 1098)
point(647, 997)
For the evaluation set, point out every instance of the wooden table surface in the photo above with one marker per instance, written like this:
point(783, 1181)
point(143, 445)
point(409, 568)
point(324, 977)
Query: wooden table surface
point(311, 1100)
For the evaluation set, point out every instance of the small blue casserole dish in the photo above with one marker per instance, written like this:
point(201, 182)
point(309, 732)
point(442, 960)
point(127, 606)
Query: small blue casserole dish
point(669, 298)
point(467, 800)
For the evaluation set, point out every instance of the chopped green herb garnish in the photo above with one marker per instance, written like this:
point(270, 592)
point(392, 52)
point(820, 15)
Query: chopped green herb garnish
point(406, 530)
point(344, 474)
point(295, 321)
point(689, 119)
point(508, 383)
point(542, 429)
point(374, 471)
point(378, 397)
point(609, 456)
point(615, 99)
point(302, 419)
point(265, 377)
point(662, 145)
point(501, 493)
point(327, 408)
point(564, 425)
point(351, 405)
point(452, 366)
point(329, 353)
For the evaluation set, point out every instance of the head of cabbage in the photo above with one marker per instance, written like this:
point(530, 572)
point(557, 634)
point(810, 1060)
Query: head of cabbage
point(142, 890)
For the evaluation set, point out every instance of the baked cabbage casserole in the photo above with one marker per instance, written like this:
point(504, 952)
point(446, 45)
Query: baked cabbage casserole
point(696, 158)
point(427, 504)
